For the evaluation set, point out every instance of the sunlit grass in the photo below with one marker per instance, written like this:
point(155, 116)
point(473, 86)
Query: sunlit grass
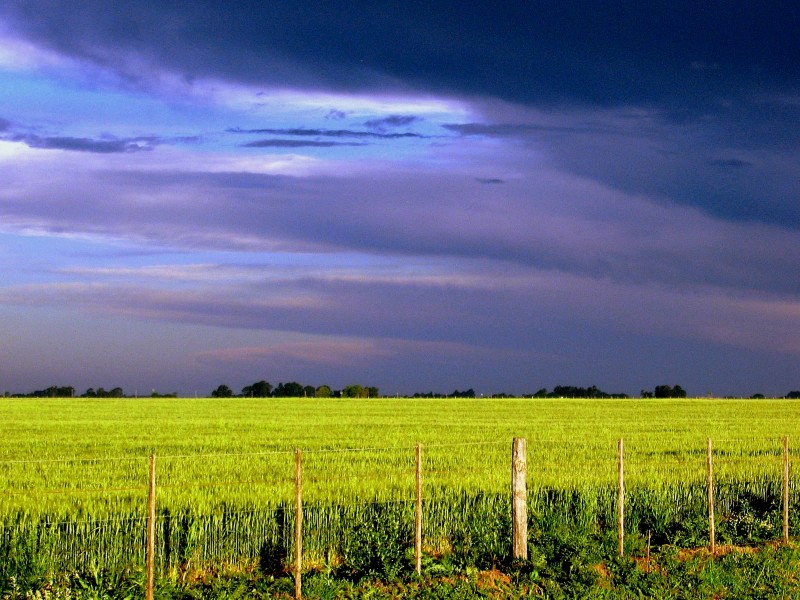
point(80, 467)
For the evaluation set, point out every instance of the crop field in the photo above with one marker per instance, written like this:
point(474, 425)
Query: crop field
point(74, 478)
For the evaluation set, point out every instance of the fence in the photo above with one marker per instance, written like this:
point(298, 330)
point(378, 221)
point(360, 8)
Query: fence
point(518, 501)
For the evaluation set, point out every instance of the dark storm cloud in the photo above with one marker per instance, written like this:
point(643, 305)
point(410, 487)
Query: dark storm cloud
point(507, 130)
point(5, 125)
point(720, 78)
point(280, 143)
point(682, 56)
point(670, 162)
point(489, 180)
point(336, 133)
point(76, 144)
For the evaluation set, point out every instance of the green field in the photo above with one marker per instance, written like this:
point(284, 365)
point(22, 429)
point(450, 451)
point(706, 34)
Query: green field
point(74, 475)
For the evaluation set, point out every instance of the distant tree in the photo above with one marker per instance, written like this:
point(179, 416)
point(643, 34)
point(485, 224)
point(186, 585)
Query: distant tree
point(571, 391)
point(323, 391)
point(757, 397)
point(104, 393)
point(309, 391)
point(291, 389)
point(426, 395)
point(223, 391)
point(666, 391)
point(360, 391)
point(646, 394)
point(54, 391)
point(662, 391)
point(260, 389)
point(793, 395)
point(354, 391)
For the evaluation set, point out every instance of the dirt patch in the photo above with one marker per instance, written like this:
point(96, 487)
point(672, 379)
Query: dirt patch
point(723, 550)
point(602, 570)
point(492, 579)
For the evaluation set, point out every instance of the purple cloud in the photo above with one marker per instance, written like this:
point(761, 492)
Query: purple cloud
point(600, 193)
point(76, 144)
point(281, 143)
point(392, 121)
point(336, 133)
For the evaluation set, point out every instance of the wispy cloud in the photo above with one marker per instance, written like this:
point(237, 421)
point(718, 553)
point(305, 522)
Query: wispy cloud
point(341, 352)
point(336, 133)
point(392, 121)
point(78, 144)
point(282, 143)
point(522, 129)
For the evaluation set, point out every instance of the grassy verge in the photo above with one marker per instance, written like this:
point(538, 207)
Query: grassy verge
point(740, 573)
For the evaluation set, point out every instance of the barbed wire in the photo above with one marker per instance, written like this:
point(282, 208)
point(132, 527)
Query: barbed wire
point(637, 461)
point(71, 491)
point(631, 439)
point(234, 483)
point(72, 460)
point(143, 518)
point(224, 454)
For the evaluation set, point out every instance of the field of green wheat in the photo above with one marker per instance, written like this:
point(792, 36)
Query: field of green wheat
point(74, 476)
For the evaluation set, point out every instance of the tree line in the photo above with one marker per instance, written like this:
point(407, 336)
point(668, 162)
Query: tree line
point(68, 391)
point(293, 389)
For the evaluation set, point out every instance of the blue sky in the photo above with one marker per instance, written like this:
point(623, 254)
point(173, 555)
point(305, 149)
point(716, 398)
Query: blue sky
point(401, 195)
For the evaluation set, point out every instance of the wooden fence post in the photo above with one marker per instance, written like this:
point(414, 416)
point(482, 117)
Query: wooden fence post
point(519, 499)
point(711, 533)
point(298, 522)
point(151, 529)
point(418, 516)
point(621, 497)
point(786, 490)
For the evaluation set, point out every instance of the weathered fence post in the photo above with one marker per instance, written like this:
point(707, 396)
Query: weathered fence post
point(786, 490)
point(711, 533)
point(151, 529)
point(621, 497)
point(298, 522)
point(418, 516)
point(519, 499)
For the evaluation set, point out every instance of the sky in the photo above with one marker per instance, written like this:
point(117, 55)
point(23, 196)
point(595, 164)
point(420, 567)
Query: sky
point(418, 196)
